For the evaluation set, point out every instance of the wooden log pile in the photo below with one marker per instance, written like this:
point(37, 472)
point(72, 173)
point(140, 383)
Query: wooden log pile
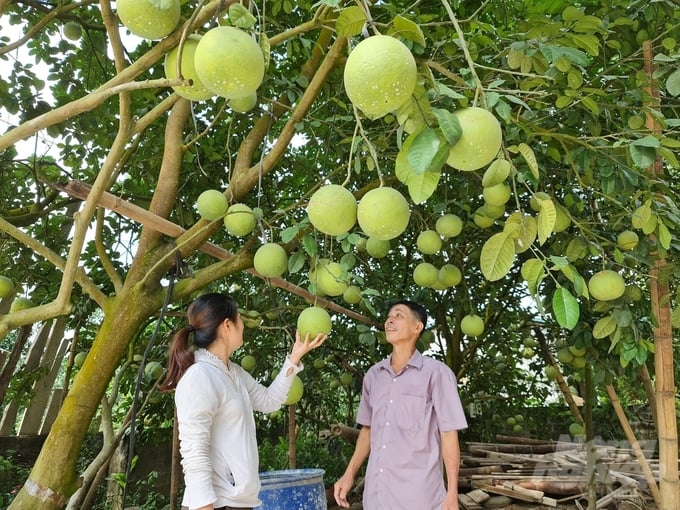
point(529, 473)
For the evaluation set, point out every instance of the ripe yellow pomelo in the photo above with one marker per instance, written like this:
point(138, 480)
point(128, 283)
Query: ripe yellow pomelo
point(449, 225)
point(450, 275)
point(240, 220)
point(497, 195)
point(212, 204)
point(331, 279)
point(229, 62)
point(352, 295)
point(383, 213)
point(472, 325)
point(295, 392)
point(425, 274)
point(429, 242)
point(150, 19)
point(606, 285)
point(627, 240)
point(380, 75)
point(313, 321)
point(332, 209)
point(196, 91)
point(271, 260)
point(6, 287)
point(245, 103)
point(480, 141)
point(377, 248)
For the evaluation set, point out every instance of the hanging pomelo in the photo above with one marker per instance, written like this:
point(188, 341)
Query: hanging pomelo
point(332, 209)
point(480, 140)
point(150, 19)
point(212, 204)
point(229, 62)
point(380, 75)
point(196, 91)
point(383, 213)
point(606, 285)
point(270, 260)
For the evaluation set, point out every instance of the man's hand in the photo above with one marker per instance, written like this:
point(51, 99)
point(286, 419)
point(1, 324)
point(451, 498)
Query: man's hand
point(342, 488)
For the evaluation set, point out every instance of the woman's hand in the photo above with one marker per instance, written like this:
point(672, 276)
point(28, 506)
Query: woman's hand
point(302, 347)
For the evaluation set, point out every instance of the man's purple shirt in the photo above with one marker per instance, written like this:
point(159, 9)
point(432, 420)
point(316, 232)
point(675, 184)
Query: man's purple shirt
point(407, 412)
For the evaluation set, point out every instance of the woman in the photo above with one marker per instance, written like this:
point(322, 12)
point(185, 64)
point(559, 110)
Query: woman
point(215, 400)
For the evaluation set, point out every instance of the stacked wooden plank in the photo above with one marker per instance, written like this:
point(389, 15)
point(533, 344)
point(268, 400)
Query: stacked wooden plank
point(522, 472)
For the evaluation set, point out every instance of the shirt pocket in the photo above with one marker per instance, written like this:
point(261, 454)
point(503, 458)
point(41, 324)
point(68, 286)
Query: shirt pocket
point(411, 412)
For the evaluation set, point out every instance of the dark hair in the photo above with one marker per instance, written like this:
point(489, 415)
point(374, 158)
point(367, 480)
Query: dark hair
point(205, 315)
point(418, 309)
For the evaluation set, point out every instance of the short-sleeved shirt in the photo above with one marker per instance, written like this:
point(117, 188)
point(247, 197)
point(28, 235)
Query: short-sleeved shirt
point(407, 413)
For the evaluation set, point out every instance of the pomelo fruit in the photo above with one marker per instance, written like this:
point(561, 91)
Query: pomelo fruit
point(212, 204)
point(497, 195)
point(352, 295)
point(480, 141)
point(383, 213)
point(564, 355)
point(6, 287)
point(245, 103)
point(550, 372)
point(248, 362)
point(429, 242)
point(295, 392)
point(229, 62)
point(380, 75)
point(153, 370)
point(606, 285)
point(196, 91)
point(270, 260)
point(240, 220)
point(313, 320)
point(576, 429)
point(449, 225)
point(331, 279)
point(150, 19)
point(377, 248)
point(79, 359)
point(627, 240)
point(472, 325)
point(346, 378)
point(449, 275)
point(20, 303)
point(425, 274)
point(73, 31)
point(332, 209)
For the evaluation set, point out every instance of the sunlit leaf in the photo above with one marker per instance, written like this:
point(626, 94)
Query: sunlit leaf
point(565, 308)
point(408, 30)
point(604, 327)
point(351, 21)
point(497, 257)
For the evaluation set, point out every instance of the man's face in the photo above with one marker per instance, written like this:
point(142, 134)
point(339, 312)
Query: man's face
point(402, 325)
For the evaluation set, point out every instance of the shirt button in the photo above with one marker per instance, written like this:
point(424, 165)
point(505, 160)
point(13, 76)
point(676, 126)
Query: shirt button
point(381, 470)
point(387, 424)
point(391, 401)
point(384, 446)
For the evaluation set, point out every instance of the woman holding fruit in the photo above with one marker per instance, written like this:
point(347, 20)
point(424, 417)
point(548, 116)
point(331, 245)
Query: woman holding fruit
point(215, 399)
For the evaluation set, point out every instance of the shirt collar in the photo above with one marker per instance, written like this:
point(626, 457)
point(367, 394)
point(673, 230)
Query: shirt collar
point(416, 361)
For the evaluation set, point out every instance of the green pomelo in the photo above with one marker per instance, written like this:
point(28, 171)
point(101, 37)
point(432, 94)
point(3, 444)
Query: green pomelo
point(450, 275)
point(480, 141)
point(449, 225)
point(270, 260)
point(578, 362)
point(150, 19)
point(295, 392)
point(153, 370)
point(332, 209)
point(346, 378)
point(482, 218)
point(551, 372)
point(535, 200)
point(229, 62)
point(20, 303)
point(352, 295)
point(383, 213)
point(606, 285)
point(429, 242)
point(331, 279)
point(564, 355)
point(627, 240)
point(425, 274)
point(212, 204)
point(196, 91)
point(6, 287)
point(79, 359)
point(576, 429)
point(497, 194)
point(472, 325)
point(377, 248)
point(73, 31)
point(380, 75)
point(245, 103)
point(240, 220)
point(313, 321)
point(248, 362)
point(319, 363)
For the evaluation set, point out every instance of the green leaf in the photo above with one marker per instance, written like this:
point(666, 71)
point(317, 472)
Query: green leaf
point(604, 327)
point(643, 157)
point(546, 220)
point(498, 171)
point(565, 308)
point(310, 245)
point(408, 30)
point(588, 42)
point(351, 21)
point(552, 53)
point(673, 83)
point(448, 124)
point(423, 150)
point(588, 24)
point(647, 141)
point(289, 233)
point(241, 17)
point(641, 216)
point(497, 257)
point(591, 104)
point(422, 186)
point(571, 13)
point(533, 273)
point(296, 262)
point(529, 156)
point(665, 237)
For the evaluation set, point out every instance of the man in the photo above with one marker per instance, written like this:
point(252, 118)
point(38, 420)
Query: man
point(410, 414)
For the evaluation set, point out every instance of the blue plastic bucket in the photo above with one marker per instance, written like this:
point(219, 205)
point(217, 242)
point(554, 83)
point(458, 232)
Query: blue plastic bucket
point(293, 489)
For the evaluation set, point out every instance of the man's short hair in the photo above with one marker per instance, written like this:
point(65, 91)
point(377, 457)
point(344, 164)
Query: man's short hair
point(416, 308)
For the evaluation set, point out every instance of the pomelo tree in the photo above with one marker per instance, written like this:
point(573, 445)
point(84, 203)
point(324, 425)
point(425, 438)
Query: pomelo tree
point(103, 164)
